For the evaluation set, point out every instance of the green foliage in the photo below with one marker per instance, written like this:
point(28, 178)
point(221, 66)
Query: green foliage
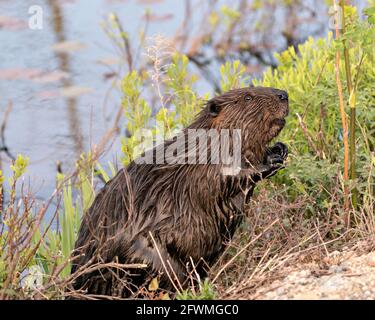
point(60, 242)
point(85, 167)
point(370, 12)
point(180, 85)
point(206, 292)
point(317, 151)
point(103, 173)
point(136, 110)
point(359, 34)
point(182, 100)
point(17, 227)
point(19, 167)
point(70, 221)
point(2, 179)
point(232, 75)
point(230, 15)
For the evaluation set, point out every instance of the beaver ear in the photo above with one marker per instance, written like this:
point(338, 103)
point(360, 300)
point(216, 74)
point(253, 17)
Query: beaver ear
point(213, 108)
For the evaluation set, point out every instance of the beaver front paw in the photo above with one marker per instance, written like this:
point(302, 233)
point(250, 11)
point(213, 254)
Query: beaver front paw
point(277, 154)
point(274, 160)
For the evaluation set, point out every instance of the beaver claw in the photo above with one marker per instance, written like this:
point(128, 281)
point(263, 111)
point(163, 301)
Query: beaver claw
point(279, 149)
point(275, 157)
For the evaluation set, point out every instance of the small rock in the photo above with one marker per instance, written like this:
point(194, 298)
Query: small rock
point(336, 269)
point(306, 296)
point(371, 261)
point(305, 273)
point(335, 254)
point(331, 284)
point(302, 281)
point(280, 291)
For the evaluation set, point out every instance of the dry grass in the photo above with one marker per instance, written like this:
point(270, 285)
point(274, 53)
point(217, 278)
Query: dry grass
point(278, 236)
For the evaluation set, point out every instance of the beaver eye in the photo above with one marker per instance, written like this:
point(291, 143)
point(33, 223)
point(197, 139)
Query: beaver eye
point(248, 97)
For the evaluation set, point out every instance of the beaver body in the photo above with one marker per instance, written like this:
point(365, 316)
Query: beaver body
point(174, 217)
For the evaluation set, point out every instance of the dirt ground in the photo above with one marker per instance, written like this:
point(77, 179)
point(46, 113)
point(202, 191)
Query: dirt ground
point(341, 275)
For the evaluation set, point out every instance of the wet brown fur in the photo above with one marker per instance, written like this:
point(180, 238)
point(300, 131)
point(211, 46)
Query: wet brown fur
point(191, 210)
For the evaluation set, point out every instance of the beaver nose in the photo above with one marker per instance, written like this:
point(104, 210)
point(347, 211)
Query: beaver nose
point(283, 96)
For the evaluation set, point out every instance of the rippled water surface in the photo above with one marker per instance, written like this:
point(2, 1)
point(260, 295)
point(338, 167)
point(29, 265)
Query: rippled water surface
point(46, 123)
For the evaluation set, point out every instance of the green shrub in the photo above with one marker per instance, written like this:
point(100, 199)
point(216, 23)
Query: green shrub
point(206, 292)
point(309, 78)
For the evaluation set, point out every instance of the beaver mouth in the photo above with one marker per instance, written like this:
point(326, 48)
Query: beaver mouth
point(279, 122)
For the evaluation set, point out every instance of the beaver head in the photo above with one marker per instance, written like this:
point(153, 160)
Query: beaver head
point(259, 112)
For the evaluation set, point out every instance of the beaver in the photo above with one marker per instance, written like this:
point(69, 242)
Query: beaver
point(170, 217)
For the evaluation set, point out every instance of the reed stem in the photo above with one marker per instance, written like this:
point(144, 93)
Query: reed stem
point(352, 96)
point(343, 118)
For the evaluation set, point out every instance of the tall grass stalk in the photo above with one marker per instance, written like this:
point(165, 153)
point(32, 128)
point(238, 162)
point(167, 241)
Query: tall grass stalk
point(343, 117)
point(352, 100)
